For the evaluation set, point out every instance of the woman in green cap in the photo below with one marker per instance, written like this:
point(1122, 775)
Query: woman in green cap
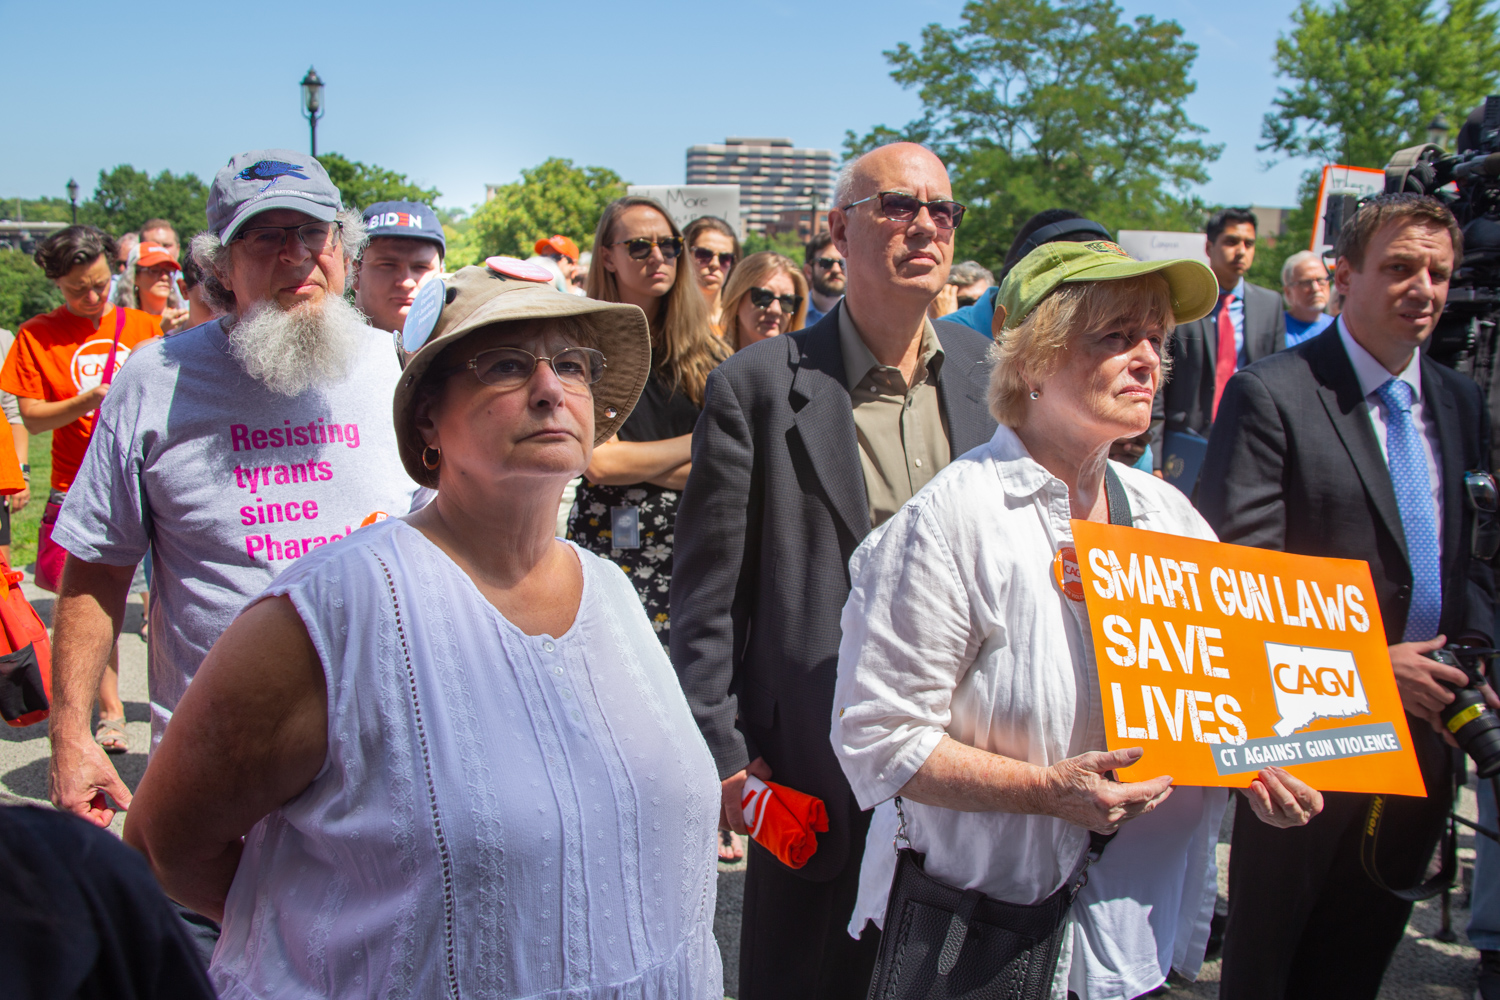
point(966, 680)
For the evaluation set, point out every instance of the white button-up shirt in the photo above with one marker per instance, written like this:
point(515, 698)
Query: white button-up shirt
point(955, 626)
point(1372, 375)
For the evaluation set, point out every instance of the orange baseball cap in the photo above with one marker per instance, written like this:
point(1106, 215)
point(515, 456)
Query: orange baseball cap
point(154, 254)
point(559, 245)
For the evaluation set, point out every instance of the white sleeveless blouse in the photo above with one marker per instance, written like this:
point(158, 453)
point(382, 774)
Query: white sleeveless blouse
point(500, 815)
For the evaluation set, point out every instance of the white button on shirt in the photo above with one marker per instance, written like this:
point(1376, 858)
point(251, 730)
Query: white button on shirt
point(954, 626)
point(1372, 375)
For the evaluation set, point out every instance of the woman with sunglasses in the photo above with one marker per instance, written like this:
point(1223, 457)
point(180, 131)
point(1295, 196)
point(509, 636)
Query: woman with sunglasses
point(626, 507)
point(452, 756)
point(765, 297)
point(714, 248)
point(147, 285)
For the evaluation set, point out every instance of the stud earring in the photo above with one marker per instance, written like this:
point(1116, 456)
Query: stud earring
point(1036, 394)
point(610, 413)
point(436, 461)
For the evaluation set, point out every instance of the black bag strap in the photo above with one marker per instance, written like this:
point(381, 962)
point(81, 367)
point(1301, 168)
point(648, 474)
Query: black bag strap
point(1119, 503)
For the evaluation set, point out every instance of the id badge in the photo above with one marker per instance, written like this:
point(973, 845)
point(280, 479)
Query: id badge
point(625, 527)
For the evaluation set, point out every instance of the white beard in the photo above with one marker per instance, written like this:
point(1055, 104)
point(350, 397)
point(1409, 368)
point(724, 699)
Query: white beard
point(291, 350)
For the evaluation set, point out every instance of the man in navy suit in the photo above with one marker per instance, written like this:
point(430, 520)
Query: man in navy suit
point(1355, 445)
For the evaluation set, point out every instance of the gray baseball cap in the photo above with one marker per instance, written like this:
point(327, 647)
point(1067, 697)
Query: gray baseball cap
point(263, 179)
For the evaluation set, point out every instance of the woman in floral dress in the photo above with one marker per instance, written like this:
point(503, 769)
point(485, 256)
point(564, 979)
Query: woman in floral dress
point(626, 506)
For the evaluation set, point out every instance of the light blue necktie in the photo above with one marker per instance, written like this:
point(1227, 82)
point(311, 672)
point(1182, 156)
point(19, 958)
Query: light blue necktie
point(1408, 465)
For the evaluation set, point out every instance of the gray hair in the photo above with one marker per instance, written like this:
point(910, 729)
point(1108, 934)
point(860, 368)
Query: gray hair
point(969, 272)
point(213, 256)
point(1292, 263)
point(843, 185)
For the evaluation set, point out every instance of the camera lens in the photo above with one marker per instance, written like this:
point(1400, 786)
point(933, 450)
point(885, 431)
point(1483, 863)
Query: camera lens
point(1474, 726)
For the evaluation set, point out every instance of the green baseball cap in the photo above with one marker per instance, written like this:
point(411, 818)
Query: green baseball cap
point(1195, 290)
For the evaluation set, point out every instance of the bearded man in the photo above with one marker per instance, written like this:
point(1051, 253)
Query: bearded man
point(228, 450)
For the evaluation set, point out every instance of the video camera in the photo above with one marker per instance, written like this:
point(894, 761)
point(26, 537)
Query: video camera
point(1465, 338)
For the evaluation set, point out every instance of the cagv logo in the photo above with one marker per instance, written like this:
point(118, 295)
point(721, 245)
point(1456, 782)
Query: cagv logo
point(1312, 684)
point(89, 361)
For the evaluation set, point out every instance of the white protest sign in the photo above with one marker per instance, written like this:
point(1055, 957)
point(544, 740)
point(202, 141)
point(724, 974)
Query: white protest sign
point(1358, 181)
point(1150, 244)
point(686, 202)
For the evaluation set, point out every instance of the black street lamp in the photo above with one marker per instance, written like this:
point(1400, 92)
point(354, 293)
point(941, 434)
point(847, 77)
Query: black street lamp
point(312, 103)
point(73, 198)
point(1438, 129)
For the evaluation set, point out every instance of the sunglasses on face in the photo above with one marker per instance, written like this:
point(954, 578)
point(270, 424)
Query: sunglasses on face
point(761, 298)
point(901, 207)
point(1484, 500)
point(511, 367)
point(640, 247)
point(829, 263)
point(704, 256)
point(265, 241)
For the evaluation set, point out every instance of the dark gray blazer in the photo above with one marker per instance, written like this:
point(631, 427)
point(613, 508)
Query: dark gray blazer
point(774, 507)
point(1186, 402)
point(1293, 464)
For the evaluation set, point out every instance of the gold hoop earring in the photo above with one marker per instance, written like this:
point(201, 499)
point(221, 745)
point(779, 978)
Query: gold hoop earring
point(436, 461)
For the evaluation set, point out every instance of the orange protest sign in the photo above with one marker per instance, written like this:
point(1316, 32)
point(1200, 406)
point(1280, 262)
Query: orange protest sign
point(1221, 659)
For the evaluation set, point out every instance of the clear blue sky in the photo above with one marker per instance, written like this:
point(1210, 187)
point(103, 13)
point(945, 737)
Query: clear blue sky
point(457, 94)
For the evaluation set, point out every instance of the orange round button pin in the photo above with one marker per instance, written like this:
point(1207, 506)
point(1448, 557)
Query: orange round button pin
point(1065, 570)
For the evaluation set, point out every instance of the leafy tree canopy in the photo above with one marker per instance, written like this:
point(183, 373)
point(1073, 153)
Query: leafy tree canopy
point(36, 210)
point(127, 197)
point(552, 197)
point(362, 185)
point(1038, 104)
point(24, 290)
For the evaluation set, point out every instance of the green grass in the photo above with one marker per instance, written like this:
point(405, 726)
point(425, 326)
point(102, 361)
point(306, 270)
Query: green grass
point(23, 526)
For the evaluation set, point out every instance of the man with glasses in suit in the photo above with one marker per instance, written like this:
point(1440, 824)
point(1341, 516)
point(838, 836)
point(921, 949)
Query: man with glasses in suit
point(823, 266)
point(1355, 445)
point(808, 441)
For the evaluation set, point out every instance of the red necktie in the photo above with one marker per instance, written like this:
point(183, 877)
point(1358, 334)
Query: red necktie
point(1228, 356)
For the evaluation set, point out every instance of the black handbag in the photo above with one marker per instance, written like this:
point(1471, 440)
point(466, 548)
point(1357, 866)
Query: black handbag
point(944, 942)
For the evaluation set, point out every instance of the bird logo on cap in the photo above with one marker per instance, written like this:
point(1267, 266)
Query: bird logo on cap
point(272, 170)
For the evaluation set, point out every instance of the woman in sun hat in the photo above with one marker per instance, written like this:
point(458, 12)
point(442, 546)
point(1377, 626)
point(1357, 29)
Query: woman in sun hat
point(966, 680)
point(447, 756)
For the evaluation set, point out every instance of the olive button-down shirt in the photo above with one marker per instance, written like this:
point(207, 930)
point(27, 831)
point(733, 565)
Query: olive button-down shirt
point(903, 438)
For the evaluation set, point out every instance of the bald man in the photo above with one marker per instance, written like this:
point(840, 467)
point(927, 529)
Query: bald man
point(807, 442)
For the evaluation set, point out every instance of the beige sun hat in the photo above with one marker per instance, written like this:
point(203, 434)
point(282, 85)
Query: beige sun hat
point(505, 290)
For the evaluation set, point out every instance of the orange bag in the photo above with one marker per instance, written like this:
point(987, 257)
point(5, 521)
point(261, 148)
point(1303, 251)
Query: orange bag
point(784, 821)
point(25, 656)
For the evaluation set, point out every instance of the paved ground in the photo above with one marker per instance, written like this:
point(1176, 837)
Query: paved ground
point(1424, 967)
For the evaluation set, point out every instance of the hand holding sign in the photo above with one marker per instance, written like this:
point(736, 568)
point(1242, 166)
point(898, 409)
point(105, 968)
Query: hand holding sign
point(1221, 660)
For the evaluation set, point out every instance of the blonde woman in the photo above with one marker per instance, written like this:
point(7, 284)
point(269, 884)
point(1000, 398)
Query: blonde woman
point(626, 506)
point(765, 297)
point(713, 249)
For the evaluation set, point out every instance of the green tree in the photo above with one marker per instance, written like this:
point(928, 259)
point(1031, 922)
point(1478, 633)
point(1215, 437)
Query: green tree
point(1040, 104)
point(362, 185)
point(24, 290)
point(127, 197)
point(36, 209)
point(552, 197)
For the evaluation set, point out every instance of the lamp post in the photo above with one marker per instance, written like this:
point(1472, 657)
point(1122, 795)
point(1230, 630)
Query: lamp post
point(312, 103)
point(73, 198)
point(1438, 129)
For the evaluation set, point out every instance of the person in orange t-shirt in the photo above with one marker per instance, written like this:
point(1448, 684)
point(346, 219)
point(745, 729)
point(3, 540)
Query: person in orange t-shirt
point(56, 371)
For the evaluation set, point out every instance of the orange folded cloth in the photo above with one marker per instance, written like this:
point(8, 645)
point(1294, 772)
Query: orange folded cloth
point(784, 821)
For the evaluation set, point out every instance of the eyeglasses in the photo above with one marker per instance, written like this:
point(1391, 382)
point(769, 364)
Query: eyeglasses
point(1310, 283)
point(829, 263)
point(265, 241)
point(761, 298)
point(899, 206)
point(511, 367)
point(968, 300)
point(704, 256)
point(156, 273)
point(640, 247)
point(1484, 500)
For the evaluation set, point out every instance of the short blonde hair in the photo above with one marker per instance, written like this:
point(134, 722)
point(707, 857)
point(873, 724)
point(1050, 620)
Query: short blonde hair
point(1032, 352)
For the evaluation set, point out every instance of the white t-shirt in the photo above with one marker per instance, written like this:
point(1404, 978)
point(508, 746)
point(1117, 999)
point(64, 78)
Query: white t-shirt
point(228, 483)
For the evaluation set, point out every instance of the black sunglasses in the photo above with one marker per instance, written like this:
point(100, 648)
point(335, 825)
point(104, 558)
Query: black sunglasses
point(829, 263)
point(898, 206)
point(761, 298)
point(640, 247)
point(1484, 500)
point(704, 256)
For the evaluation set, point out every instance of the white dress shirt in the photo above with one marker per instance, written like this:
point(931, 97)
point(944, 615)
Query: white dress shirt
point(954, 626)
point(1372, 375)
